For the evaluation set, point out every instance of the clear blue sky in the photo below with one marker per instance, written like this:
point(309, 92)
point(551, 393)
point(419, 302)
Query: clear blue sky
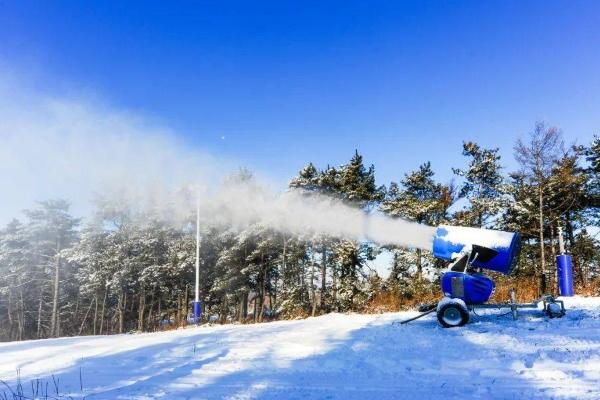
point(286, 82)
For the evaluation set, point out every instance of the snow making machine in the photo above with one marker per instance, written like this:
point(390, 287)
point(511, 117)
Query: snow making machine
point(465, 287)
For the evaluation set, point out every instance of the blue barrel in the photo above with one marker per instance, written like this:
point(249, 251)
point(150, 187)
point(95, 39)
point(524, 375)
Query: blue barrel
point(564, 269)
point(197, 310)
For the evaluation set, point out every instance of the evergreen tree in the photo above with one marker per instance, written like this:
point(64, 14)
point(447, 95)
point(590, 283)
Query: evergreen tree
point(419, 198)
point(356, 186)
point(483, 185)
point(357, 183)
point(51, 230)
point(18, 278)
point(587, 252)
point(592, 156)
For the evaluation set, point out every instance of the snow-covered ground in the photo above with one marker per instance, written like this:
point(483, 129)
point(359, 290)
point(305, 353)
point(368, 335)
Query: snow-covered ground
point(330, 357)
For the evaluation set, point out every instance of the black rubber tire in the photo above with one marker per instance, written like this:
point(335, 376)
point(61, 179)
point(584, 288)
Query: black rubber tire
point(454, 309)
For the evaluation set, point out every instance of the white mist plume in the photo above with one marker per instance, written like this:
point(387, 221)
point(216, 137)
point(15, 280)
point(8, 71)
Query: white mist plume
point(298, 213)
point(76, 149)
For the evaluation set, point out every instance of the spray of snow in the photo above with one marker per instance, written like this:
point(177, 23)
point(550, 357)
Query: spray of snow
point(81, 150)
point(298, 213)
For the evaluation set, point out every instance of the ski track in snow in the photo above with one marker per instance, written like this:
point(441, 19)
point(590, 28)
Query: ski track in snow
point(330, 357)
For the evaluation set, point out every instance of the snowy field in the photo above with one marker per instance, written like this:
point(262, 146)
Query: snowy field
point(330, 357)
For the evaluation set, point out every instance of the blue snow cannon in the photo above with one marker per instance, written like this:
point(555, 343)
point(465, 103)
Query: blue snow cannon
point(466, 288)
point(471, 250)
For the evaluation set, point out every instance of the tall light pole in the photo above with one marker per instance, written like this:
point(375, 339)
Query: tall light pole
point(197, 305)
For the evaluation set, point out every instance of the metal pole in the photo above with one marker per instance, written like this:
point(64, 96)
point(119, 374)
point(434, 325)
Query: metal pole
point(197, 297)
point(561, 243)
point(197, 305)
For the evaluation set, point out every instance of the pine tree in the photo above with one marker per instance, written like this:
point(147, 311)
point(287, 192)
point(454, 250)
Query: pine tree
point(419, 198)
point(482, 186)
point(356, 186)
point(93, 274)
point(587, 252)
point(17, 279)
point(592, 156)
point(52, 230)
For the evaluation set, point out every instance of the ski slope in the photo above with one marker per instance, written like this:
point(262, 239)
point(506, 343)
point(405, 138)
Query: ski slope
point(330, 357)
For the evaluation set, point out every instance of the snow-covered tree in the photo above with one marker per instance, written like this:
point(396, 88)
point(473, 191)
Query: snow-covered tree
point(51, 230)
point(482, 187)
point(419, 198)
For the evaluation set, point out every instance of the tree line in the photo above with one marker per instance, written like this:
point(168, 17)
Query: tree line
point(120, 271)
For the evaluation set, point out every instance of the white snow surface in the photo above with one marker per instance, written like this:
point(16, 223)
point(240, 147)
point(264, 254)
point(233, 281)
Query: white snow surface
point(330, 357)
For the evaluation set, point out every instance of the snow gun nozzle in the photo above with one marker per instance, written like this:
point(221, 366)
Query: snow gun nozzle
point(489, 249)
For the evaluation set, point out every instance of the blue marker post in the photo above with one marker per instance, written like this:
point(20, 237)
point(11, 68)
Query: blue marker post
point(564, 269)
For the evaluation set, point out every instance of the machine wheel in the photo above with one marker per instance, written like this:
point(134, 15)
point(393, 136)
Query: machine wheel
point(452, 313)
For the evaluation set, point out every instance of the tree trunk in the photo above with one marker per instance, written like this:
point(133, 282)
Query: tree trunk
point(577, 266)
point(131, 302)
point(121, 309)
point(39, 317)
point(9, 314)
point(254, 310)
point(159, 311)
point(54, 328)
point(85, 318)
point(76, 312)
point(553, 279)
point(103, 306)
point(284, 268)
point(243, 313)
point(21, 311)
point(334, 287)
point(262, 295)
point(141, 309)
point(95, 312)
point(149, 320)
point(313, 292)
point(542, 287)
point(186, 303)
point(419, 275)
point(178, 312)
point(184, 309)
point(323, 276)
point(223, 311)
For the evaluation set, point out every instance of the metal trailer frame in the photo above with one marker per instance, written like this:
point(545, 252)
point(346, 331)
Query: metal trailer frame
point(546, 300)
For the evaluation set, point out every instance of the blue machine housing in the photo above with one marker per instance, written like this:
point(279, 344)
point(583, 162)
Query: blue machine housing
point(450, 241)
point(471, 288)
